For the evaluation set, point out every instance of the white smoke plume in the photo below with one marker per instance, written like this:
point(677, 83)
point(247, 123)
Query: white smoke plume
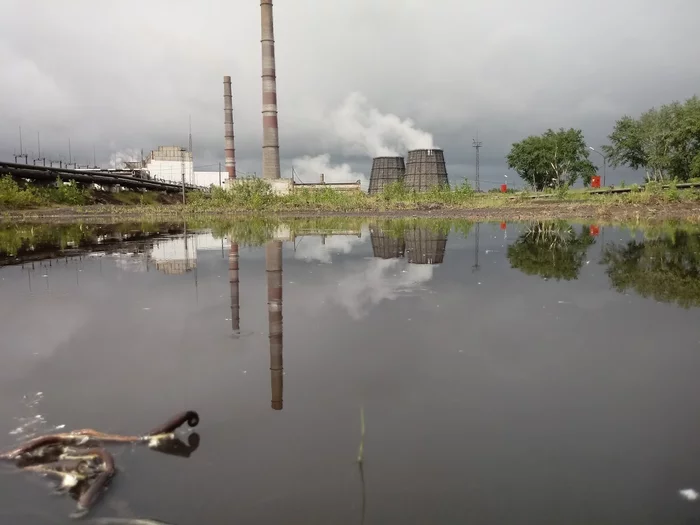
point(309, 169)
point(362, 129)
point(118, 159)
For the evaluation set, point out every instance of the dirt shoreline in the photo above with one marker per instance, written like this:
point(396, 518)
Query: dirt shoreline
point(612, 212)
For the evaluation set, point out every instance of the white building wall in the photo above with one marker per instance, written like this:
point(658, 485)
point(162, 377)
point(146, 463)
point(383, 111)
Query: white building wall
point(207, 178)
point(170, 170)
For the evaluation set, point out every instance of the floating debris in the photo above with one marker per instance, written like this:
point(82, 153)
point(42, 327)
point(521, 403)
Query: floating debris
point(85, 473)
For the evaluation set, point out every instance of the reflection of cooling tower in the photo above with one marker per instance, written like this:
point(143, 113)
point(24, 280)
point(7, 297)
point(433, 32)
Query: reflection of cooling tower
point(385, 171)
point(386, 246)
point(425, 246)
point(233, 280)
point(273, 265)
point(425, 169)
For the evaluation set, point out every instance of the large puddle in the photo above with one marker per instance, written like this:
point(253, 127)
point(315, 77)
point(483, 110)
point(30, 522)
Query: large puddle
point(505, 373)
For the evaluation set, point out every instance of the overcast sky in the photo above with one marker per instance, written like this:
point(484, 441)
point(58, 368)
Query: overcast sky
point(127, 75)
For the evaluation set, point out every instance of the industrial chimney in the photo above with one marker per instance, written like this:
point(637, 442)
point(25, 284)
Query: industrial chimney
point(273, 265)
point(271, 144)
point(228, 130)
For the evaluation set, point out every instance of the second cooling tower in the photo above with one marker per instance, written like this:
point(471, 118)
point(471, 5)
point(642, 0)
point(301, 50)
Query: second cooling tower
point(425, 169)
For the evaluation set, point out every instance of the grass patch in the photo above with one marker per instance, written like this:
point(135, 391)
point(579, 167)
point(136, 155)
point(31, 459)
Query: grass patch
point(16, 196)
point(256, 196)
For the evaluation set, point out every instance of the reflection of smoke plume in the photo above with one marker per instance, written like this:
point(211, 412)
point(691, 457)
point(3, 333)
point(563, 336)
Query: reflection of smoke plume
point(309, 169)
point(364, 130)
point(118, 160)
point(382, 279)
point(273, 266)
point(323, 251)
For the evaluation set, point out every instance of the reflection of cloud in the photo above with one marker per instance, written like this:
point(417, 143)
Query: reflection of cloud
point(130, 262)
point(313, 249)
point(382, 279)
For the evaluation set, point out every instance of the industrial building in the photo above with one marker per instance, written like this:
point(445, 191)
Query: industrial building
point(170, 162)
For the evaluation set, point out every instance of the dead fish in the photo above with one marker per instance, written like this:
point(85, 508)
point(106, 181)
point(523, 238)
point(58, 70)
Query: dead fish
point(127, 521)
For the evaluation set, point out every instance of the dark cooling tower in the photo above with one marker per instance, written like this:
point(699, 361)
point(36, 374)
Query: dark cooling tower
point(425, 169)
point(386, 245)
point(385, 170)
point(425, 246)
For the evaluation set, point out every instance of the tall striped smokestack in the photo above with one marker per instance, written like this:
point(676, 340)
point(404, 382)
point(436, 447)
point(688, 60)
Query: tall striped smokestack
point(273, 265)
point(271, 144)
point(233, 281)
point(228, 129)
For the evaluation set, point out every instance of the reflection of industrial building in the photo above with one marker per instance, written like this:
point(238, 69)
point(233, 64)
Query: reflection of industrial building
point(273, 266)
point(176, 255)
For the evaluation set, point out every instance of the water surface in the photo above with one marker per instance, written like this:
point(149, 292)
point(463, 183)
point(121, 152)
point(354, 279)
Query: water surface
point(508, 373)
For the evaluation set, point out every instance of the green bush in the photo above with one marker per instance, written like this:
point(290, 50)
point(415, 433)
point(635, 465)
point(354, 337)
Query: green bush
point(12, 195)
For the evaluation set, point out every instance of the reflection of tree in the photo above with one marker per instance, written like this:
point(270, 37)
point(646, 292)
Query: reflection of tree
point(665, 268)
point(552, 249)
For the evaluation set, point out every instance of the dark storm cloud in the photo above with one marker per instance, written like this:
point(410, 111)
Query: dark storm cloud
point(125, 76)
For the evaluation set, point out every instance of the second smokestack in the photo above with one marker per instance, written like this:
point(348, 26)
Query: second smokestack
point(228, 130)
point(271, 145)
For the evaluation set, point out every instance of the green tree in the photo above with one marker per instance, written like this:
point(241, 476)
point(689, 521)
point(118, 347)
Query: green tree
point(552, 159)
point(666, 268)
point(551, 249)
point(665, 142)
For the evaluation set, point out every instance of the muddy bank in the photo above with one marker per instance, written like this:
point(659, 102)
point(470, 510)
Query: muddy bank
point(609, 212)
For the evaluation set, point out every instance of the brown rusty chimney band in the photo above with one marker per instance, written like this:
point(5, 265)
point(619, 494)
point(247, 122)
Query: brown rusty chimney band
point(233, 281)
point(271, 145)
point(228, 129)
point(273, 266)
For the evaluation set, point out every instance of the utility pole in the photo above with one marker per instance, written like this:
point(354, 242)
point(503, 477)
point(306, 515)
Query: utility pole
point(38, 147)
point(191, 157)
point(182, 163)
point(94, 157)
point(69, 153)
point(605, 162)
point(219, 174)
point(476, 247)
point(21, 149)
point(477, 144)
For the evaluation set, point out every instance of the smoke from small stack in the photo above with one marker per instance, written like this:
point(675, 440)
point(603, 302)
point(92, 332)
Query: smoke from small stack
point(228, 130)
point(273, 267)
point(233, 281)
point(271, 146)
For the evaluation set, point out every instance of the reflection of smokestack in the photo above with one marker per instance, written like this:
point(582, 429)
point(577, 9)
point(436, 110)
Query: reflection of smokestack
point(228, 129)
point(271, 145)
point(233, 280)
point(273, 264)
